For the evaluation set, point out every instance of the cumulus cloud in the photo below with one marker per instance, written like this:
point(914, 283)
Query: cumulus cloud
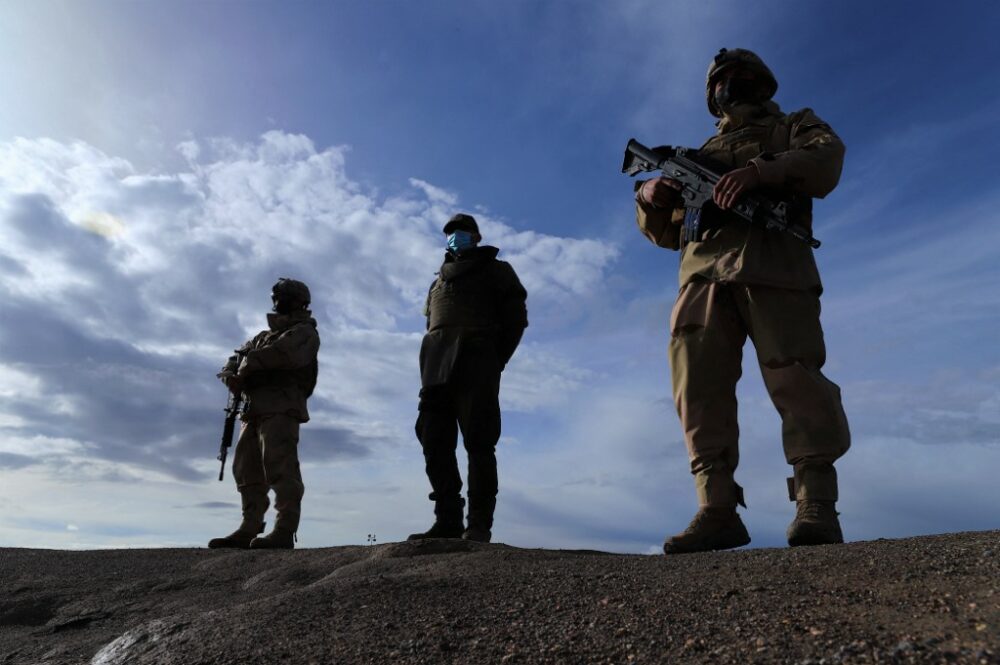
point(124, 291)
point(955, 409)
point(215, 505)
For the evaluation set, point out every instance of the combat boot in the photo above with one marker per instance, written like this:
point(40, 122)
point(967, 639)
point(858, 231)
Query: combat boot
point(477, 533)
point(813, 488)
point(480, 518)
point(278, 539)
point(448, 521)
point(713, 528)
point(815, 523)
point(239, 539)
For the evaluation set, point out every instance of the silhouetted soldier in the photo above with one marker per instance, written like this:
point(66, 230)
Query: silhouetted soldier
point(277, 372)
point(476, 315)
point(739, 280)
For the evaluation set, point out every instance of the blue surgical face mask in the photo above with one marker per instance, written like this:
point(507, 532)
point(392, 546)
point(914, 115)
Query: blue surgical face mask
point(460, 241)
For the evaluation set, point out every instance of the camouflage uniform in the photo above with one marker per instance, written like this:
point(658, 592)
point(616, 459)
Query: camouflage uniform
point(277, 372)
point(476, 315)
point(740, 280)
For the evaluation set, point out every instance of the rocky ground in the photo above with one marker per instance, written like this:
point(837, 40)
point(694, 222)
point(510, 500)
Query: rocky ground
point(921, 600)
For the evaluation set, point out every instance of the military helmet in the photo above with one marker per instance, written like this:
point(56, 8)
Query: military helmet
point(289, 295)
point(737, 57)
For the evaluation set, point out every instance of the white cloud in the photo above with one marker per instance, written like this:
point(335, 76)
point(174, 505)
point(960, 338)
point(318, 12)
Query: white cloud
point(954, 408)
point(190, 150)
point(18, 382)
point(237, 221)
point(434, 194)
point(124, 291)
point(39, 446)
point(539, 379)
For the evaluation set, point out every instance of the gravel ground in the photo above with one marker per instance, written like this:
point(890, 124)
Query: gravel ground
point(920, 600)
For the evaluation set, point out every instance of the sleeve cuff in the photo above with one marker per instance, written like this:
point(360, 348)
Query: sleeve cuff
point(637, 187)
point(771, 171)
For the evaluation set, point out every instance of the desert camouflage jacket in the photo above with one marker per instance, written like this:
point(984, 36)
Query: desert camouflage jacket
point(798, 157)
point(279, 366)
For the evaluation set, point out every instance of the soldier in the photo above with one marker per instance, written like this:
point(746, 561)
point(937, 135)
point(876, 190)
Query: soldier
point(277, 371)
point(739, 280)
point(476, 315)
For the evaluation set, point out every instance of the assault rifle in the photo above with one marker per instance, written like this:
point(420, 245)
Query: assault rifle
point(234, 408)
point(698, 180)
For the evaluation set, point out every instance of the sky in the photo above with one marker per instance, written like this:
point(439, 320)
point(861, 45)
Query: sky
point(162, 164)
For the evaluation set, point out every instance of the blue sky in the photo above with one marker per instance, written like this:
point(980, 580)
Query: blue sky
point(161, 164)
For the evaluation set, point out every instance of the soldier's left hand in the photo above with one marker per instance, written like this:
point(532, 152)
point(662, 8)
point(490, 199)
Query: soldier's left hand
point(735, 184)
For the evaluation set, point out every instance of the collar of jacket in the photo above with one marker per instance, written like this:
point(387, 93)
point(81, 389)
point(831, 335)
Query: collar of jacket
point(469, 260)
point(278, 322)
point(747, 114)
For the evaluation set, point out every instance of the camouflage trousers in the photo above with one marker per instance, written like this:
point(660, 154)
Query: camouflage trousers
point(709, 326)
point(267, 458)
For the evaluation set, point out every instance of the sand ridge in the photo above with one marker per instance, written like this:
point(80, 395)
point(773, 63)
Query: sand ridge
point(920, 600)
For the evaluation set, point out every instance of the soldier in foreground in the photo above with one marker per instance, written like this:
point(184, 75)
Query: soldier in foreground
point(476, 315)
point(276, 370)
point(739, 280)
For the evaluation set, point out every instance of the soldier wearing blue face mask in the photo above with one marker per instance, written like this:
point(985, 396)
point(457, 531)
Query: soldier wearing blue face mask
point(476, 315)
point(459, 241)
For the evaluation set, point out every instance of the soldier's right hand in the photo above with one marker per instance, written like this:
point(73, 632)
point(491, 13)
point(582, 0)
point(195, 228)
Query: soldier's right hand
point(660, 192)
point(234, 384)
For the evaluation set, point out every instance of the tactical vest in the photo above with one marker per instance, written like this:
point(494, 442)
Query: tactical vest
point(465, 300)
point(767, 134)
point(808, 160)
